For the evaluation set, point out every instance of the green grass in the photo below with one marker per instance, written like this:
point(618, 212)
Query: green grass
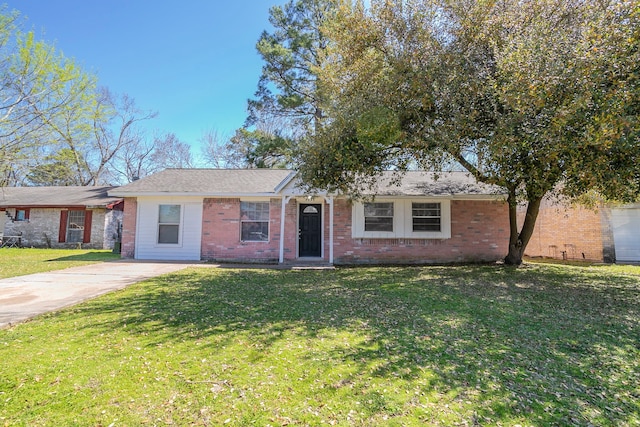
point(21, 261)
point(469, 345)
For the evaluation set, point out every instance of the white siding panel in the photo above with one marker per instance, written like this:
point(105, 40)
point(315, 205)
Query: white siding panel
point(190, 232)
point(626, 233)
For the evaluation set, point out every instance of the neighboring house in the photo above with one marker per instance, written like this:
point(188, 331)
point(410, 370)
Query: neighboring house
point(261, 215)
point(604, 234)
point(60, 217)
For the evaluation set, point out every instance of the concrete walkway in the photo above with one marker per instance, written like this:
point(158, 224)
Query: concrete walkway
point(24, 297)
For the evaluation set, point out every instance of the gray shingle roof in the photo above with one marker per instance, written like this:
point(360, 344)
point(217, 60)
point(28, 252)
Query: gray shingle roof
point(235, 182)
point(419, 183)
point(56, 196)
point(207, 181)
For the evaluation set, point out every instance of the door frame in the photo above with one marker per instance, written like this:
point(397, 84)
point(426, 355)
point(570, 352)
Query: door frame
point(299, 213)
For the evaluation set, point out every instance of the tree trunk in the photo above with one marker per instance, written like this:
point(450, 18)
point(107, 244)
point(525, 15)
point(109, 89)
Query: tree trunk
point(518, 240)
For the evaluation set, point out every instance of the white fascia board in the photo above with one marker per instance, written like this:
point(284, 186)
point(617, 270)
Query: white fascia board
point(296, 192)
point(478, 197)
point(285, 182)
point(440, 196)
point(183, 194)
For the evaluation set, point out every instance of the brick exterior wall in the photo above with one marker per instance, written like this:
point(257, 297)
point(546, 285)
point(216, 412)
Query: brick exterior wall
point(43, 226)
point(127, 248)
point(571, 232)
point(479, 232)
point(221, 233)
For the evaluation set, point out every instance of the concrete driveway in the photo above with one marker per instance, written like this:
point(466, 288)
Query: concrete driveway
point(24, 297)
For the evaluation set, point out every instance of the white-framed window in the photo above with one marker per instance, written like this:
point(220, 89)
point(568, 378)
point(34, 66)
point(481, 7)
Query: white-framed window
point(254, 221)
point(378, 216)
point(426, 216)
point(402, 218)
point(169, 224)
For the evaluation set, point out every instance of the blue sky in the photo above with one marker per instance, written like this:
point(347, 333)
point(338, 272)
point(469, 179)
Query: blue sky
point(193, 61)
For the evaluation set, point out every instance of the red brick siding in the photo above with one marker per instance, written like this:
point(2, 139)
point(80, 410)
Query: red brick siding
point(565, 232)
point(291, 230)
point(221, 233)
point(129, 227)
point(479, 232)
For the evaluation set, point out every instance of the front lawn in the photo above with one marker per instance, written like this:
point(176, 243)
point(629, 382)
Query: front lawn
point(468, 345)
point(21, 261)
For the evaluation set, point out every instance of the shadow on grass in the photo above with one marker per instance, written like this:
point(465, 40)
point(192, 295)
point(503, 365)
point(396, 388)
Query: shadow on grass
point(551, 345)
point(89, 256)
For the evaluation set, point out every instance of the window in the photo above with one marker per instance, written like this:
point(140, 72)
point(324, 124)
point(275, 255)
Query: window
point(169, 224)
point(378, 216)
point(21, 215)
point(254, 221)
point(75, 227)
point(402, 218)
point(426, 216)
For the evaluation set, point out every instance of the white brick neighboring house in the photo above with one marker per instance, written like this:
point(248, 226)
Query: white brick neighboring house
point(60, 217)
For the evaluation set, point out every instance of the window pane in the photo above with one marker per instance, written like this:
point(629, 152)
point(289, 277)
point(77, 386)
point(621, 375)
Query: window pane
point(254, 231)
point(378, 209)
point(75, 227)
point(168, 233)
point(378, 224)
point(378, 216)
point(426, 224)
point(426, 216)
point(254, 211)
point(169, 214)
point(21, 215)
point(310, 210)
point(426, 209)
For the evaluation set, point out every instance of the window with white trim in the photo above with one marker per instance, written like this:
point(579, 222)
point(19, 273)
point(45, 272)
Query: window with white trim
point(406, 218)
point(378, 216)
point(169, 224)
point(426, 216)
point(254, 221)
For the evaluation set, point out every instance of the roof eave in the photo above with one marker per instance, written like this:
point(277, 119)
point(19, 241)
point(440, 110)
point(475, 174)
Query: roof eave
point(57, 206)
point(285, 182)
point(275, 194)
point(188, 194)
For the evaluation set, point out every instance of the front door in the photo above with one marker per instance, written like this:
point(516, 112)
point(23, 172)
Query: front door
point(310, 231)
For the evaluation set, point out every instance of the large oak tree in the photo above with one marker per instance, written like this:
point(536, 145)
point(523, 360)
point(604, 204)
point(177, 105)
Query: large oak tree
point(536, 97)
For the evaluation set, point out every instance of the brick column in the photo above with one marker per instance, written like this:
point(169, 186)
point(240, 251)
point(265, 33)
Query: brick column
point(129, 227)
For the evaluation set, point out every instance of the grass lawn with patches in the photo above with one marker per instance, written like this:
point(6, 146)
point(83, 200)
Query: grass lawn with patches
point(465, 345)
point(21, 261)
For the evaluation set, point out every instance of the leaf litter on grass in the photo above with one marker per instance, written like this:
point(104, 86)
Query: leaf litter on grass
point(369, 346)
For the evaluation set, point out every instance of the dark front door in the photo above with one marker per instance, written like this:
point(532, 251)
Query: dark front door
point(310, 231)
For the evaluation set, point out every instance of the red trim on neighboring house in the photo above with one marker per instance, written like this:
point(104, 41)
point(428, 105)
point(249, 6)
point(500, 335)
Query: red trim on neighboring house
point(87, 226)
point(26, 214)
point(62, 233)
point(116, 206)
